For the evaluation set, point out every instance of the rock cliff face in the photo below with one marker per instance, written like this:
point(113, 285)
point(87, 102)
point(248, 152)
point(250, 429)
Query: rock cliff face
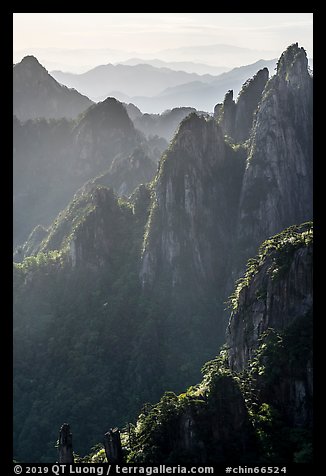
point(236, 118)
point(247, 104)
point(104, 132)
point(53, 159)
point(225, 113)
point(276, 295)
point(126, 174)
point(93, 229)
point(194, 205)
point(195, 429)
point(254, 403)
point(204, 213)
point(197, 220)
point(276, 290)
point(81, 291)
point(277, 185)
point(37, 94)
point(214, 203)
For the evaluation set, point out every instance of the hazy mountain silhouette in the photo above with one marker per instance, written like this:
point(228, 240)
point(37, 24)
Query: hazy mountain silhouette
point(153, 90)
point(199, 95)
point(162, 125)
point(37, 94)
point(126, 298)
point(53, 158)
point(136, 80)
point(187, 66)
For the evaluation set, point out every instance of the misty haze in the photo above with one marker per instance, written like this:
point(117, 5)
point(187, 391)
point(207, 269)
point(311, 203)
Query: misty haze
point(163, 238)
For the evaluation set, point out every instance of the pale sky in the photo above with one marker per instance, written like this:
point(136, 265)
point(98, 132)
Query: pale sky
point(148, 33)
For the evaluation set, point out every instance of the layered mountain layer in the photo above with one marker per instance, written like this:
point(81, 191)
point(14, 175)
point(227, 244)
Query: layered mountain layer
point(215, 200)
point(277, 185)
point(255, 402)
point(124, 299)
point(37, 94)
point(53, 159)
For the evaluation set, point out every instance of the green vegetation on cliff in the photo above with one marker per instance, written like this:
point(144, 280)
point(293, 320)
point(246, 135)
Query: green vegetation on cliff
point(261, 414)
point(75, 310)
point(280, 249)
point(121, 300)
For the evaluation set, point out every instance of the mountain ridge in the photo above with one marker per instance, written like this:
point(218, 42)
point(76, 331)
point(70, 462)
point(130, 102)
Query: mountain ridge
point(201, 96)
point(255, 409)
point(37, 94)
point(188, 67)
point(147, 79)
point(133, 301)
point(53, 159)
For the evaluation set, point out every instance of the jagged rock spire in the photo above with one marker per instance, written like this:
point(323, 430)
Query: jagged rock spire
point(293, 64)
point(236, 118)
point(65, 445)
point(277, 186)
point(112, 444)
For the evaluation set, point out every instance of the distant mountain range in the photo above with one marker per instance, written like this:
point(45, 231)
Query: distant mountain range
point(121, 301)
point(201, 96)
point(154, 90)
point(153, 87)
point(187, 66)
point(138, 80)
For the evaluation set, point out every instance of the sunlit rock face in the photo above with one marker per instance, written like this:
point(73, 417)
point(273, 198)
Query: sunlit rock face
point(277, 185)
point(236, 118)
point(194, 206)
point(204, 203)
point(275, 298)
point(279, 297)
